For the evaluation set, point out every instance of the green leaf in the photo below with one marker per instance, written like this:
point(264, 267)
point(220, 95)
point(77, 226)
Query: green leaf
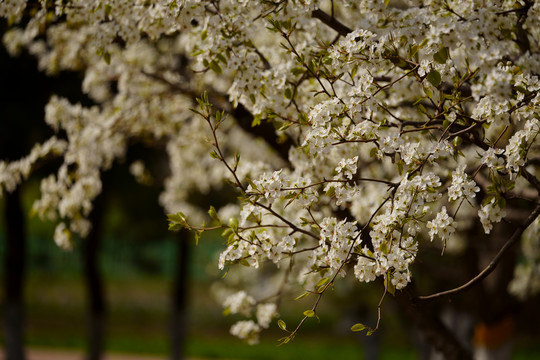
point(446, 123)
point(506, 33)
point(222, 58)
point(244, 262)
point(175, 227)
point(226, 232)
point(521, 90)
point(214, 66)
point(418, 101)
point(298, 71)
point(429, 94)
point(413, 50)
point(285, 340)
point(358, 327)
point(288, 93)
point(331, 191)
point(322, 282)
point(353, 71)
point(487, 200)
point(306, 294)
point(177, 221)
point(434, 78)
point(400, 167)
point(510, 185)
point(390, 287)
point(233, 223)
point(178, 217)
point(282, 325)
point(256, 120)
point(309, 313)
point(213, 214)
point(442, 55)
point(107, 57)
point(284, 127)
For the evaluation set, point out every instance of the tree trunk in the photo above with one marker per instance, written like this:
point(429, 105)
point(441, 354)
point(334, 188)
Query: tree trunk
point(431, 327)
point(495, 328)
point(94, 285)
point(14, 277)
point(178, 325)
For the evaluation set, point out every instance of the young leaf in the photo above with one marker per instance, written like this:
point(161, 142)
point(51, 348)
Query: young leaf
point(233, 223)
point(214, 66)
point(302, 296)
point(288, 93)
point(390, 287)
point(434, 78)
point(442, 55)
point(358, 327)
point(309, 313)
point(322, 282)
point(197, 237)
point(107, 57)
point(282, 325)
point(213, 214)
point(256, 120)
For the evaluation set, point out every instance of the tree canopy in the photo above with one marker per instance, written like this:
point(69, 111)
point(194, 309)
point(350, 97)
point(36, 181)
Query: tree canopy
point(356, 134)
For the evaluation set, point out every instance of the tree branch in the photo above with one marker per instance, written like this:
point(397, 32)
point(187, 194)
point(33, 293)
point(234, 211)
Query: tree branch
point(243, 116)
point(531, 179)
point(331, 21)
point(492, 265)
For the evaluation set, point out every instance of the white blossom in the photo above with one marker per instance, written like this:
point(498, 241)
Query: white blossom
point(239, 302)
point(265, 313)
point(489, 214)
point(247, 330)
point(462, 186)
point(443, 225)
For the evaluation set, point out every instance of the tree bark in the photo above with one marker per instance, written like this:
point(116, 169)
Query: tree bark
point(178, 324)
point(431, 327)
point(14, 277)
point(97, 310)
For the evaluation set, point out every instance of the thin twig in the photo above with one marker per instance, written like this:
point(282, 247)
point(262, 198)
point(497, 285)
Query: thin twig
point(492, 265)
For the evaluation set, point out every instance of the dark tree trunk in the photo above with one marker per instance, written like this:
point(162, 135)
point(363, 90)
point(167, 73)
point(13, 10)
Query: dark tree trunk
point(496, 313)
point(97, 309)
point(14, 273)
point(431, 327)
point(178, 325)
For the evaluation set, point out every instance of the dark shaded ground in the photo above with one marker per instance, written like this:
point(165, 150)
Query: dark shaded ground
point(42, 354)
